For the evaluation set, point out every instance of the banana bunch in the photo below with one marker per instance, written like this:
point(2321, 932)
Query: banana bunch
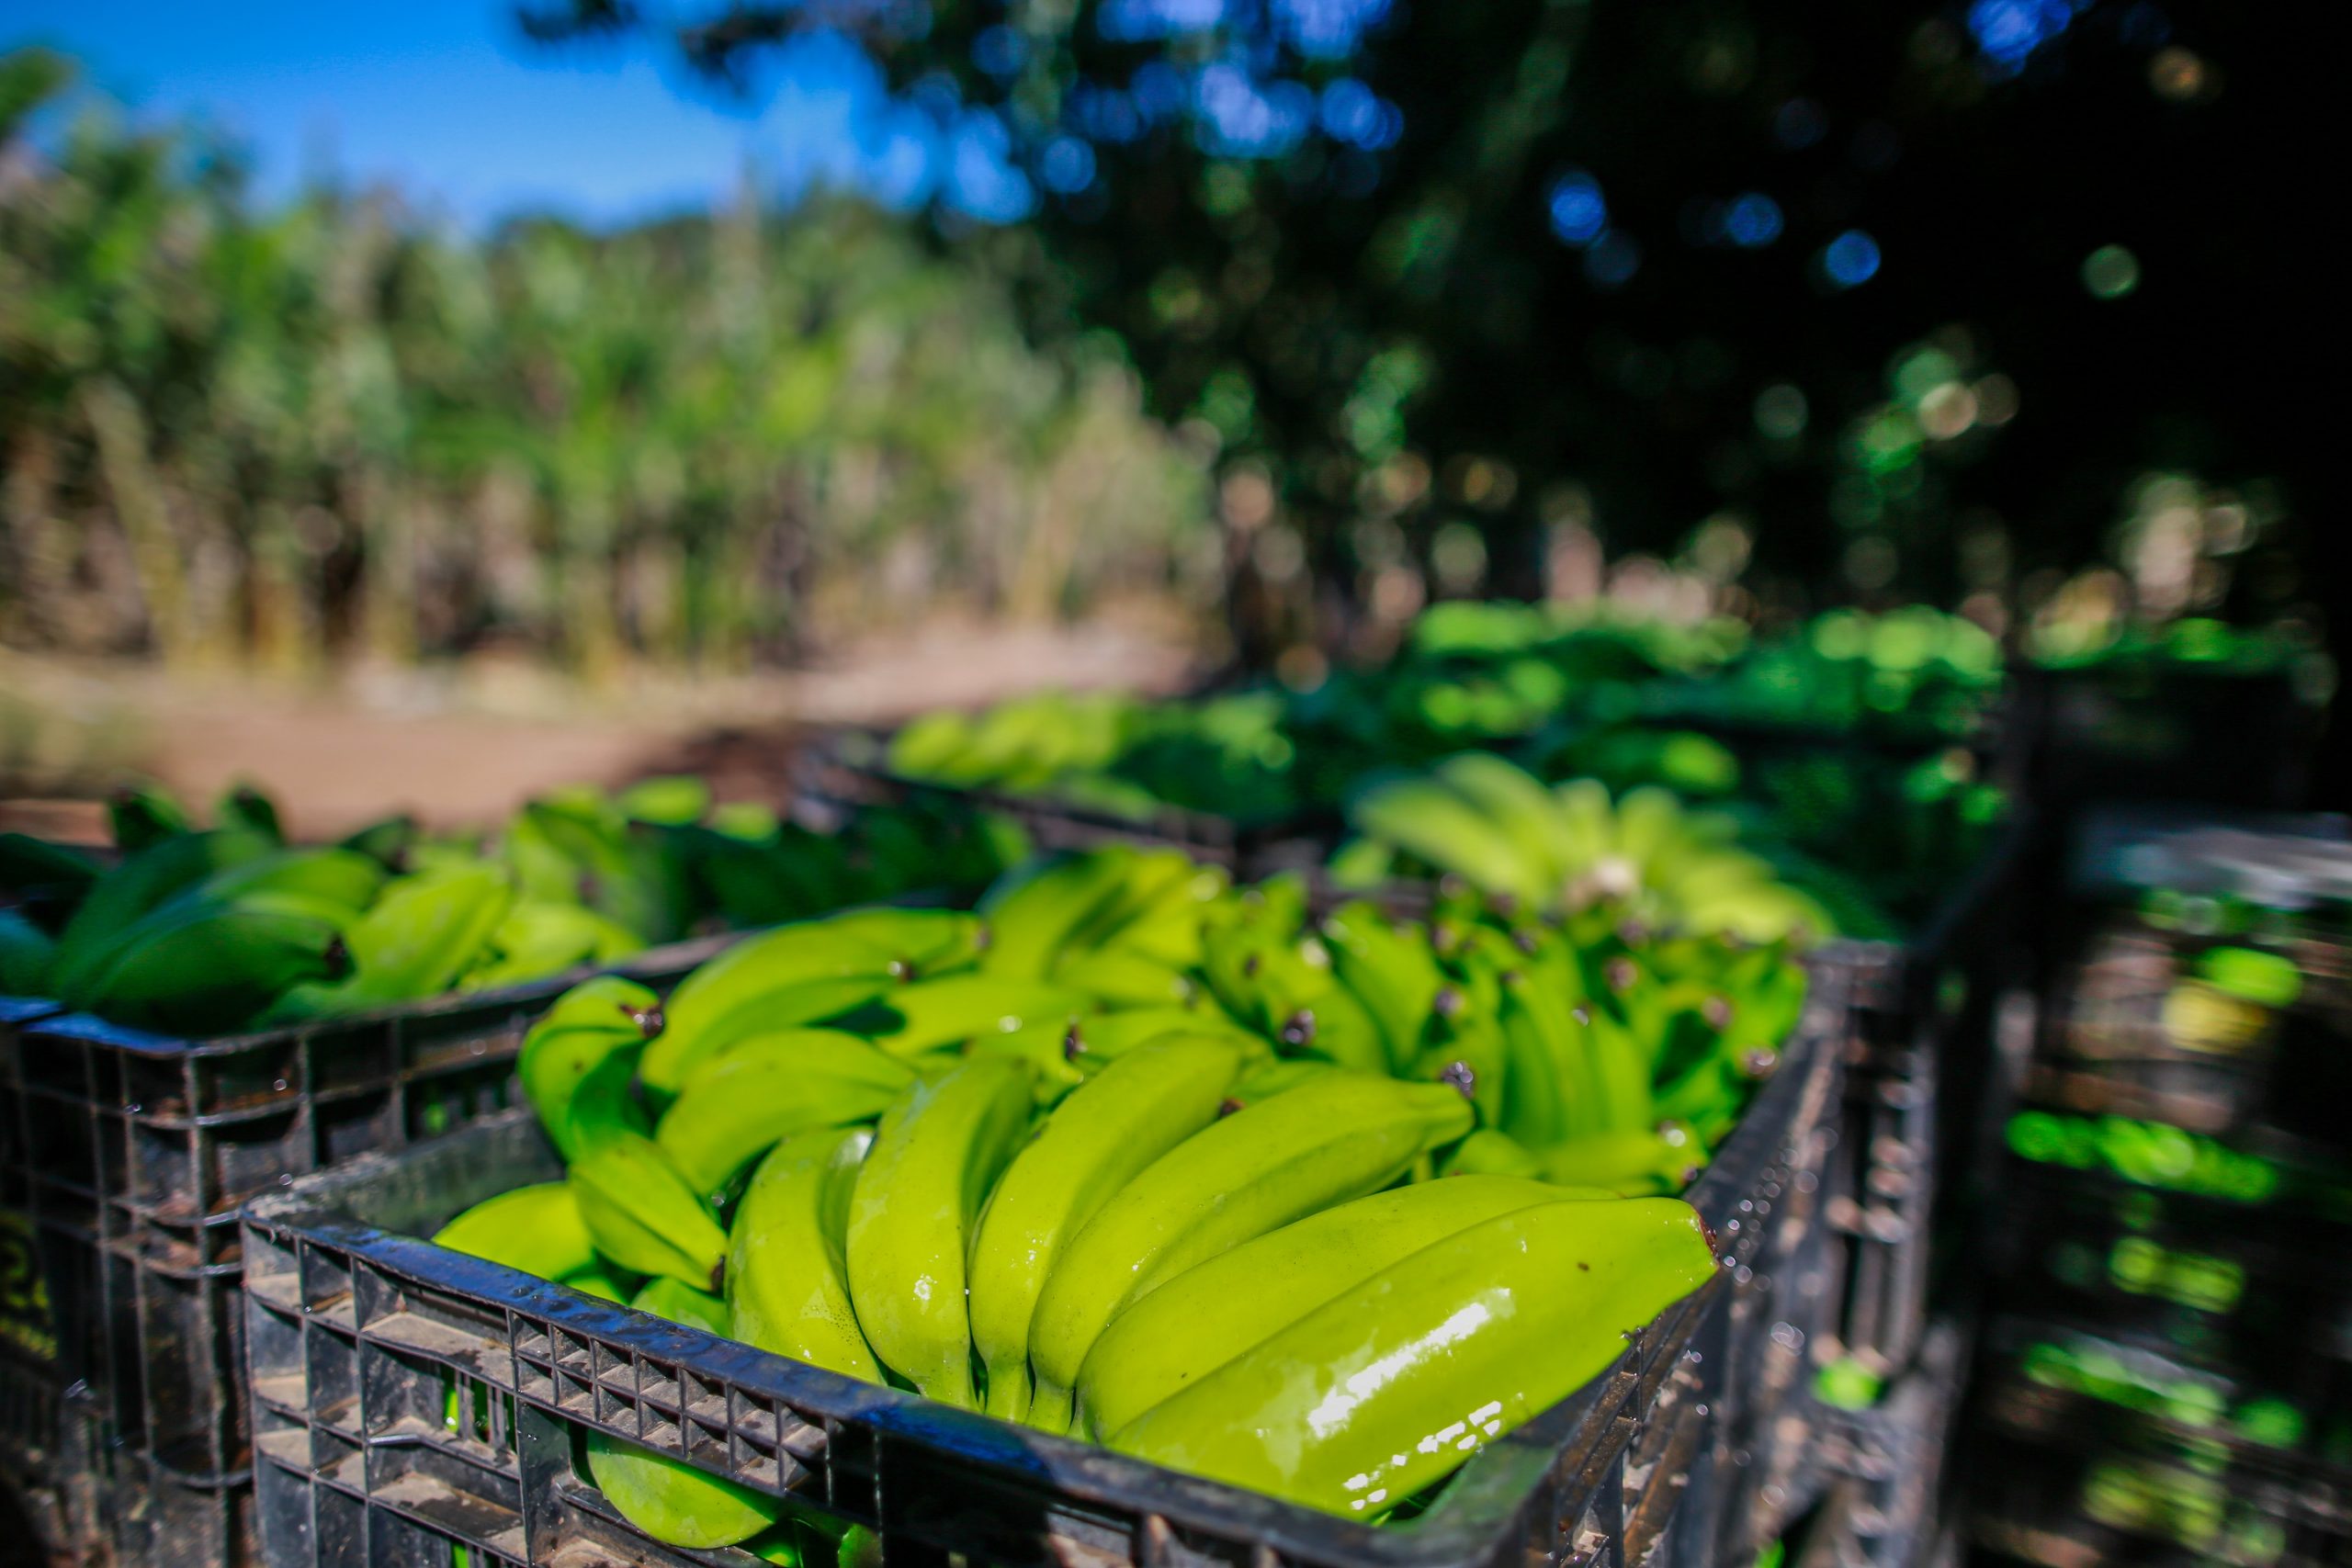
point(1112, 753)
point(1490, 822)
point(1136, 1157)
point(1914, 672)
point(201, 930)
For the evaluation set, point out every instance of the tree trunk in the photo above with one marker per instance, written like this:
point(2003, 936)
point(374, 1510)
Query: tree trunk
point(389, 521)
point(145, 516)
point(40, 551)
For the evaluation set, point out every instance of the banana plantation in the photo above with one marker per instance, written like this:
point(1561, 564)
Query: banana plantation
point(237, 433)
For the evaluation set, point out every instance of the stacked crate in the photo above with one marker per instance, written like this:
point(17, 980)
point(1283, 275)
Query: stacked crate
point(2167, 1374)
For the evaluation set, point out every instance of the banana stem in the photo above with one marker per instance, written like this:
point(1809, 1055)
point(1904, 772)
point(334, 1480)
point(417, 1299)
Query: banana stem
point(1008, 1396)
point(1049, 1408)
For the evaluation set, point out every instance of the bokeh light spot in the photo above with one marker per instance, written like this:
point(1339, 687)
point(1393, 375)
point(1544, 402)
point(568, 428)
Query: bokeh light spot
point(2178, 75)
point(1613, 260)
point(1067, 165)
point(1799, 123)
point(1752, 220)
point(1000, 51)
point(2008, 31)
point(1851, 259)
point(2110, 272)
point(1580, 213)
point(1781, 412)
point(1996, 399)
point(1458, 555)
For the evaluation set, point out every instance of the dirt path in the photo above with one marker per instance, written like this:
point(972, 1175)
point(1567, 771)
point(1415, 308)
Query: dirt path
point(467, 746)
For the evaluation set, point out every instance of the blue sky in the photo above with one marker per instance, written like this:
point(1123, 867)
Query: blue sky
point(441, 98)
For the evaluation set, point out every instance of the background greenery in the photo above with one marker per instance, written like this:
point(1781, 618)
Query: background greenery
point(231, 433)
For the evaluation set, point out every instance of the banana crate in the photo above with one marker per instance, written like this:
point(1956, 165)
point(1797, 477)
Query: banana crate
point(1889, 1501)
point(124, 1157)
point(1933, 1021)
point(2086, 1447)
point(415, 1407)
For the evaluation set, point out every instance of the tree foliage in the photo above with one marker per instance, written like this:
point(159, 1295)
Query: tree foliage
point(1910, 294)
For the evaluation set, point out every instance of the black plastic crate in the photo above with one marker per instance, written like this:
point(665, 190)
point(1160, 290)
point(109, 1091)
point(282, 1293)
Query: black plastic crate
point(124, 1157)
point(2057, 1476)
point(1890, 1505)
point(844, 767)
point(2262, 1289)
point(356, 1333)
point(1935, 1031)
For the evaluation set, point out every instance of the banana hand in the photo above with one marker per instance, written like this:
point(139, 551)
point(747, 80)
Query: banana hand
point(643, 1214)
point(1335, 1136)
point(1137, 1109)
point(740, 1105)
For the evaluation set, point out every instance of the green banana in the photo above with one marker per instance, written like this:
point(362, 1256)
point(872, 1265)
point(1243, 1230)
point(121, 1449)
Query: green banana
point(1392, 1383)
point(1112, 1127)
point(643, 1214)
point(1634, 1162)
point(142, 816)
point(1152, 879)
point(597, 1020)
point(535, 940)
point(344, 879)
point(1467, 1049)
point(244, 805)
point(738, 1105)
point(1168, 928)
point(1109, 1035)
point(1549, 1097)
point(937, 1153)
point(422, 934)
point(1056, 1057)
point(1521, 808)
point(787, 1280)
point(600, 1283)
point(1337, 1135)
point(1271, 1075)
point(1491, 1152)
point(1031, 920)
point(1341, 1029)
point(1620, 1074)
point(666, 1298)
point(930, 942)
point(1437, 826)
point(672, 801)
point(1124, 978)
point(1391, 971)
point(207, 969)
point(36, 869)
point(670, 1500)
point(793, 975)
point(1208, 1315)
point(386, 841)
point(141, 882)
point(537, 1229)
point(25, 954)
point(1275, 984)
point(929, 1014)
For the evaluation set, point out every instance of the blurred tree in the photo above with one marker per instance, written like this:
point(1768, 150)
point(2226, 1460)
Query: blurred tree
point(1904, 297)
point(332, 429)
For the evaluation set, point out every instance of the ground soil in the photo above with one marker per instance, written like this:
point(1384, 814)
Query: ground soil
point(467, 746)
